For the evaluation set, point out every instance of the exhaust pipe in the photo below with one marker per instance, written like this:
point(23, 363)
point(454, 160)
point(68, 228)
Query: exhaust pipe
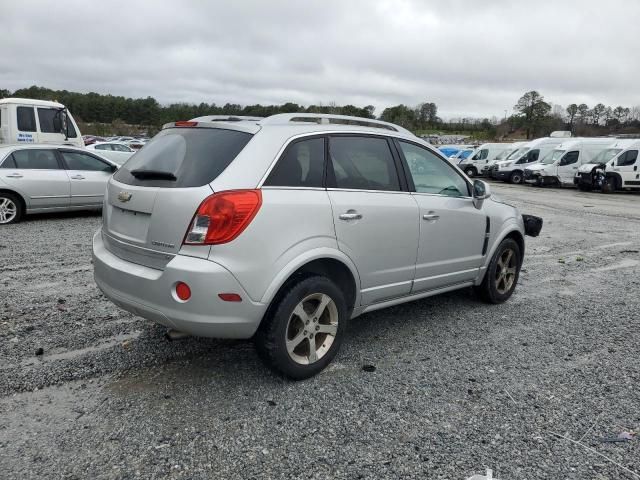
point(173, 335)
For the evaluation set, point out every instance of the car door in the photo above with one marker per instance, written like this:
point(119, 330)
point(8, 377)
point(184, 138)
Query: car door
point(37, 174)
point(375, 217)
point(568, 166)
point(88, 177)
point(452, 229)
point(627, 166)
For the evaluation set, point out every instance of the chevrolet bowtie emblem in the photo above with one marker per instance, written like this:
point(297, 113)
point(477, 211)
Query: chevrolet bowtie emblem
point(124, 196)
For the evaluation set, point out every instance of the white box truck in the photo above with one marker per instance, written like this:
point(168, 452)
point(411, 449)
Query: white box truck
point(559, 166)
point(24, 120)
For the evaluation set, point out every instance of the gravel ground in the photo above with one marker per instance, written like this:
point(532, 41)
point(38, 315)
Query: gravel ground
point(458, 386)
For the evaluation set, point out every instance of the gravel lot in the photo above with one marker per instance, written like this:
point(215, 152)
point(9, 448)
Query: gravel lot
point(458, 387)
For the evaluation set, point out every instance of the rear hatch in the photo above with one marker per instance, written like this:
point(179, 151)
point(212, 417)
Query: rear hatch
point(153, 197)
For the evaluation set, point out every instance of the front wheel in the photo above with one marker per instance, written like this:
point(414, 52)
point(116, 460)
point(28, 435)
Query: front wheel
point(609, 185)
point(516, 177)
point(303, 331)
point(502, 274)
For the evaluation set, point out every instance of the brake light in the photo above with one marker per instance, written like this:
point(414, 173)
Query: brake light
point(223, 216)
point(184, 123)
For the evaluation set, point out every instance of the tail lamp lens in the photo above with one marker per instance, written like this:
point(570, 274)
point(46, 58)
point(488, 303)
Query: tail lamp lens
point(223, 216)
point(183, 292)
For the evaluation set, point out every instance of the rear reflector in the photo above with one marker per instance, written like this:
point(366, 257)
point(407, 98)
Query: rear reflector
point(185, 124)
point(230, 297)
point(183, 292)
point(223, 216)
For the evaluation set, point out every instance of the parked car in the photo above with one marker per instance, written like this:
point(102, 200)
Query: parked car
point(24, 120)
point(560, 165)
point(484, 156)
point(114, 151)
point(284, 229)
point(48, 178)
point(511, 169)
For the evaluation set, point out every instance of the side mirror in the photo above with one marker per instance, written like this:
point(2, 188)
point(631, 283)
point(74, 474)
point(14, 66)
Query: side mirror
point(481, 191)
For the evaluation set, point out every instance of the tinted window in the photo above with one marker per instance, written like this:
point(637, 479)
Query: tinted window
point(431, 174)
point(26, 119)
point(195, 156)
point(71, 131)
point(569, 158)
point(83, 161)
point(45, 117)
point(302, 165)
point(628, 158)
point(482, 154)
point(120, 148)
point(103, 147)
point(9, 162)
point(364, 163)
point(36, 159)
point(531, 156)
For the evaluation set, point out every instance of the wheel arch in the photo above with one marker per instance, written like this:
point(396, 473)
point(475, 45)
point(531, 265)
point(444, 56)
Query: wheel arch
point(510, 230)
point(616, 178)
point(17, 194)
point(326, 262)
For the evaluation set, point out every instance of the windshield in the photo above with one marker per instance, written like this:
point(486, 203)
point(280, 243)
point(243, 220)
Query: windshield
point(553, 157)
point(503, 154)
point(606, 155)
point(517, 153)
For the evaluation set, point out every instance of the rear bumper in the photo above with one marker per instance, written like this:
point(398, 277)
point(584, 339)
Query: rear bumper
point(149, 293)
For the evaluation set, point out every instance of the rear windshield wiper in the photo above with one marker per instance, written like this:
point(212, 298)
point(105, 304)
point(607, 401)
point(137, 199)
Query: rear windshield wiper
point(141, 174)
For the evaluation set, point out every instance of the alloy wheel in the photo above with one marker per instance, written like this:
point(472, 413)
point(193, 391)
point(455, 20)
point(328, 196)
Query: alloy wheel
point(312, 328)
point(505, 271)
point(8, 210)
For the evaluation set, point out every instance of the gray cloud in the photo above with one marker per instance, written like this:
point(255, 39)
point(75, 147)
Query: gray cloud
point(470, 57)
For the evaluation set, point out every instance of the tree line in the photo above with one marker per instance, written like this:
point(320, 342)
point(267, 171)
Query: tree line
point(532, 115)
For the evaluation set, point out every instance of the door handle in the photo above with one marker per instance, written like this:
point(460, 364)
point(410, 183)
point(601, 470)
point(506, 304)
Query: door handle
point(350, 215)
point(77, 177)
point(430, 216)
point(14, 175)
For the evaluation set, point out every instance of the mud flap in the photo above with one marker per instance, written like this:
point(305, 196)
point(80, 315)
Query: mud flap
point(532, 225)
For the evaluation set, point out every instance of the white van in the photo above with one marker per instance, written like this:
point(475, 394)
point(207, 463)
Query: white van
point(623, 171)
point(24, 120)
point(483, 156)
point(560, 165)
point(591, 175)
point(511, 169)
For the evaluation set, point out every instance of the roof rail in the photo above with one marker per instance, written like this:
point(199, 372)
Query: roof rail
point(329, 119)
point(226, 118)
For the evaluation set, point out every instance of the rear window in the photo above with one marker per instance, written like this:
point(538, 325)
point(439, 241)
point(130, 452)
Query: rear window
point(194, 156)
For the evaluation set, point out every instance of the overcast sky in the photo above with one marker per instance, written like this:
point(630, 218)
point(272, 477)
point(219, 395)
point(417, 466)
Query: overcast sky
point(472, 58)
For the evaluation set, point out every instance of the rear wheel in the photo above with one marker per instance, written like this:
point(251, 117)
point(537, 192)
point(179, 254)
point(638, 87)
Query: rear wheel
point(516, 177)
point(303, 331)
point(10, 208)
point(501, 277)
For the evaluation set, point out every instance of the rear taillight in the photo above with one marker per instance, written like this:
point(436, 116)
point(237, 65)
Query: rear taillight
point(223, 216)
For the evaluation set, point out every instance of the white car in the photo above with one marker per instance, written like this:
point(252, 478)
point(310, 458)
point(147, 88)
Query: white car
point(114, 151)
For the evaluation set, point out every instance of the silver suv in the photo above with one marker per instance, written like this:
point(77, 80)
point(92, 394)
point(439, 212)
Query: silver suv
point(284, 228)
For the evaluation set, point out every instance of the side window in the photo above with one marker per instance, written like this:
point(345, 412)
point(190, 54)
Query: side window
point(120, 148)
point(45, 117)
point(71, 131)
point(82, 161)
point(431, 174)
point(628, 158)
point(484, 153)
point(26, 119)
point(105, 146)
point(36, 159)
point(570, 157)
point(531, 156)
point(9, 162)
point(301, 165)
point(363, 163)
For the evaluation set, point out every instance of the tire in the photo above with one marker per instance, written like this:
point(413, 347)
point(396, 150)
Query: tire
point(470, 172)
point(284, 324)
point(609, 185)
point(516, 177)
point(11, 209)
point(492, 289)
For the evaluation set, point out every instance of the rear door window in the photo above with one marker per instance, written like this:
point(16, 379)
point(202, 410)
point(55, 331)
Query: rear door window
point(183, 157)
point(363, 163)
point(8, 162)
point(84, 161)
point(36, 159)
point(302, 165)
point(26, 119)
